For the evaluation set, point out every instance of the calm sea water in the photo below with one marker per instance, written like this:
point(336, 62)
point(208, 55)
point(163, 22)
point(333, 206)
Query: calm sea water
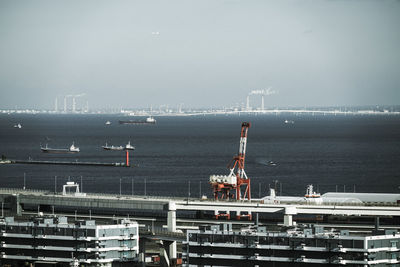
point(343, 152)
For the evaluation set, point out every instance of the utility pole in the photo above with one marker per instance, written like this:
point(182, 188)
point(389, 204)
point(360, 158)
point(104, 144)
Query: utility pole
point(275, 186)
point(132, 185)
point(120, 189)
point(188, 189)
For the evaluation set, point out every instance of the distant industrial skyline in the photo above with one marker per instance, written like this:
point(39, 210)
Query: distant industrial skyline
point(204, 54)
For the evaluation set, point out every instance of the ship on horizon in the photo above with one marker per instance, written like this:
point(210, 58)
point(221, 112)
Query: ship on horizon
point(148, 120)
point(70, 150)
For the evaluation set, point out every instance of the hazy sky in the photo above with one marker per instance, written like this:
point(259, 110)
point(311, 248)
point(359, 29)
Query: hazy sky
point(200, 53)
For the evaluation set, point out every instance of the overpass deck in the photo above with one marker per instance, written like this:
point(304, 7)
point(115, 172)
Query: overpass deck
point(127, 202)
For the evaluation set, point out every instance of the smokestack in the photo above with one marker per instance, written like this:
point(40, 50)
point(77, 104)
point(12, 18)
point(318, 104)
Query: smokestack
point(73, 104)
point(65, 104)
point(262, 102)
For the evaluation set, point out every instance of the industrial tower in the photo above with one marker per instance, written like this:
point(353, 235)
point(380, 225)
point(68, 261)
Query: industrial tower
point(73, 102)
point(263, 92)
point(223, 184)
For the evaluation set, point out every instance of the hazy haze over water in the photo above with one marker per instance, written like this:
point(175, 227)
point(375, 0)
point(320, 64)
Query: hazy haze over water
point(200, 53)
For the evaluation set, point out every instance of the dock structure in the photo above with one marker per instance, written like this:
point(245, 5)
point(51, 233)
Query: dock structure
point(16, 199)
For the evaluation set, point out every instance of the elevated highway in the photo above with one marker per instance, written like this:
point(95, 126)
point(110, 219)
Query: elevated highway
point(19, 198)
point(16, 199)
point(315, 209)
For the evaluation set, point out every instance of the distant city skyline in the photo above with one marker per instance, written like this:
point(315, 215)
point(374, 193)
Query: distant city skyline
point(202, 54)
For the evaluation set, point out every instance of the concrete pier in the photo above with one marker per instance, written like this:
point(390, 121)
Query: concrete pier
point(82, 163)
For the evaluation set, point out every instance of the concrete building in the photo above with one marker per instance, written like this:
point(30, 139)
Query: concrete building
point(55, 241)
point(300, 246)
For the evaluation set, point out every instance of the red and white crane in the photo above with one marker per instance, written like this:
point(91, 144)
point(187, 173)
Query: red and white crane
point(223, 184)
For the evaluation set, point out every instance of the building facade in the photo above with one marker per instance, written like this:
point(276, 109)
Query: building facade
point(55, 241)
point(300, 246)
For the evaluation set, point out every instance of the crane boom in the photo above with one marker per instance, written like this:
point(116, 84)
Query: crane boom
point(242, 148)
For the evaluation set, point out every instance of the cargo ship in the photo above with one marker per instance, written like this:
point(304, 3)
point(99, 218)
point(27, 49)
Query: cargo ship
point(148, 120)
point(71, 149)
point(119, 148)
point(107, 147)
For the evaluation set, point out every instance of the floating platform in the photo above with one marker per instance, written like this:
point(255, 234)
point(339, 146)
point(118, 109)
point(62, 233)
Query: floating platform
point(50, 162)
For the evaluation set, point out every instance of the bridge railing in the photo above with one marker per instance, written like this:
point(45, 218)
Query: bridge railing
point(20, 190)
point(129, 196)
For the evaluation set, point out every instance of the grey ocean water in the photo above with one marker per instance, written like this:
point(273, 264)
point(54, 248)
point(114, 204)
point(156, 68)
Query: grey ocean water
point(327, 151)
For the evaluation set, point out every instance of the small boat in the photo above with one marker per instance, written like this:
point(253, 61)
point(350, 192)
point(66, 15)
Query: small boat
point(150, 120)
point(74, 149)
point(289, 122)
point(71, 149)
point(19, 126)
point(129, 146)
point(108, 123)
point(107, 147)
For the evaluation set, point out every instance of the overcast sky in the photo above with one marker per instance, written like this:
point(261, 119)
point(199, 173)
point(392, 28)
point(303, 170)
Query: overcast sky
point(199, 53)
